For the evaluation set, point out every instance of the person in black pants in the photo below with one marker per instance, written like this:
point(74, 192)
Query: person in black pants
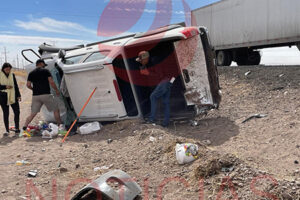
point(9, 95)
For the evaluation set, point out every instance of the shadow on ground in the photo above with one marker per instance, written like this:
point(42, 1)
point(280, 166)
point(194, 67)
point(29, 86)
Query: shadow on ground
point(216, 130)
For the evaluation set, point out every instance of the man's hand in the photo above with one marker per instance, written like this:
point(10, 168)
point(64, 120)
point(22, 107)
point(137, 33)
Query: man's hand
point(29, 86)
point(145, 72)
point(19, 99)
point(9, 87)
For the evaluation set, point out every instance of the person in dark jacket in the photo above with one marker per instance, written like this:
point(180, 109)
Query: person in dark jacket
point(9, 96)
point(162, 79)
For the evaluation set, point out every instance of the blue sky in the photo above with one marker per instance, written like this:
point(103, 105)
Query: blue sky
point(29, 23)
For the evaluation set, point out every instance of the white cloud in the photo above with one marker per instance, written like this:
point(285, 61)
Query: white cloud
point(47, 24)
point(6, 32)
point(16, 43)
point(33, 40)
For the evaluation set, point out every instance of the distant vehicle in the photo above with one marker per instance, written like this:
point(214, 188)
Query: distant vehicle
point(122, 93)
point(240, 28)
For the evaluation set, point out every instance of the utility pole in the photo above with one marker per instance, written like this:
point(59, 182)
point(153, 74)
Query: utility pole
point(18, 61)
point(5, 54)
point(23, 64)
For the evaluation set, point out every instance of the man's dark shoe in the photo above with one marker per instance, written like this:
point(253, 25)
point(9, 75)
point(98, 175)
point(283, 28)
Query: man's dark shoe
point(5, 134)
point(165, 125)
point(149, 121)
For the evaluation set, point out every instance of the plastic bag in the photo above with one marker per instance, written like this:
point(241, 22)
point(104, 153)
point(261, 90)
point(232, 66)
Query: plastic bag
point(54, 129)
point(52, 132)
point(46, 134)
point(186, 153)
point(89, 128)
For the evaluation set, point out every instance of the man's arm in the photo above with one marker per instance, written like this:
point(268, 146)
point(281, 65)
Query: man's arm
point(29, 85)
point(51, 82)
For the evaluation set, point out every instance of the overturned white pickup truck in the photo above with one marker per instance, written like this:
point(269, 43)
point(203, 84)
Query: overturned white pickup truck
point(122, 92)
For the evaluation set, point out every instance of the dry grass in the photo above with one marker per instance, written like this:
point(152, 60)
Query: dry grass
point(21, 73)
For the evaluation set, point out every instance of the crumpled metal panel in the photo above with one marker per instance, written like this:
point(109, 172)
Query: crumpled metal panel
point(128, 190)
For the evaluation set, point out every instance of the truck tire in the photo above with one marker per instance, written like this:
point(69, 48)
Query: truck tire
point(242, 61)
point(254, 58)
point(223, 58)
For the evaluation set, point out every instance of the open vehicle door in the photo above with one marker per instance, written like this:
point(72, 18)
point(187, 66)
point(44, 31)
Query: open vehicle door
point(196, 61)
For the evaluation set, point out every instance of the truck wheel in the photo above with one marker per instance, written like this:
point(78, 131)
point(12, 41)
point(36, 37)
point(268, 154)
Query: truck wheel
point(223, 58)
point(242, 61)
point(254, 58)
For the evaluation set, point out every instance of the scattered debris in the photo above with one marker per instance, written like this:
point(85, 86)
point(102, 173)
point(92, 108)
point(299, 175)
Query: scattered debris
point(186, 153)
point(152, 139)
point(104, 167)
point(207, 142)
point(227, 169)
point(86, 146)
point(194, 123)
point(97, 169)
point(32, 173)
point(247, 73)
point(277, 88)
point(109, 141)
point(255, 116)
point(89, 128)
point(296, 162)
point(281, 75)
point(63, 170)
point(3, 191)
point(77, 166)
point(22, 162)
point(103, 186)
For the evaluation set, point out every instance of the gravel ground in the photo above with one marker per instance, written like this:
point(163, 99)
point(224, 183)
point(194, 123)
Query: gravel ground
point(252, 160)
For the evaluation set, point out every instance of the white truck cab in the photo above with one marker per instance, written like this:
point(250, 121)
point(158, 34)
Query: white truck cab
point(122, 92)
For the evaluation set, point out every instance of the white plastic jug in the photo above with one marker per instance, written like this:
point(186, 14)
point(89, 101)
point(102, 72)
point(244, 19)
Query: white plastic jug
point(89, 128)
point(186, 153)
point(54, 129)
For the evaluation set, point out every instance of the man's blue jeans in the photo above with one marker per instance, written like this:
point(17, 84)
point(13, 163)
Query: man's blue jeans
point(162, 90)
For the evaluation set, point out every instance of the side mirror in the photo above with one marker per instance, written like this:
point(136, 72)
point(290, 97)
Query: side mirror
point(62, 54)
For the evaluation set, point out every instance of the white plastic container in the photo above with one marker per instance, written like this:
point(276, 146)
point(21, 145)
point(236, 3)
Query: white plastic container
point(54, 129)
point(89, 128)
point(186, 153)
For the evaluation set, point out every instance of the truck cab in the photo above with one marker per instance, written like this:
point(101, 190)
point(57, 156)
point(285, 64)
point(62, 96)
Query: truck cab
point(122, 92)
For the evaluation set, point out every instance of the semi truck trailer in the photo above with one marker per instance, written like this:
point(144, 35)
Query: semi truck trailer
point(239, 29)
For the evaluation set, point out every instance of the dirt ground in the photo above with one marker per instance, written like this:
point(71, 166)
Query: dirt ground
point(252, 160)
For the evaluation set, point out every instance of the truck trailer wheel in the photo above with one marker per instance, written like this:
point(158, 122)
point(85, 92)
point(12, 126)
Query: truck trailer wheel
point(223, 58)
point(254, 58)
point(242, 61)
